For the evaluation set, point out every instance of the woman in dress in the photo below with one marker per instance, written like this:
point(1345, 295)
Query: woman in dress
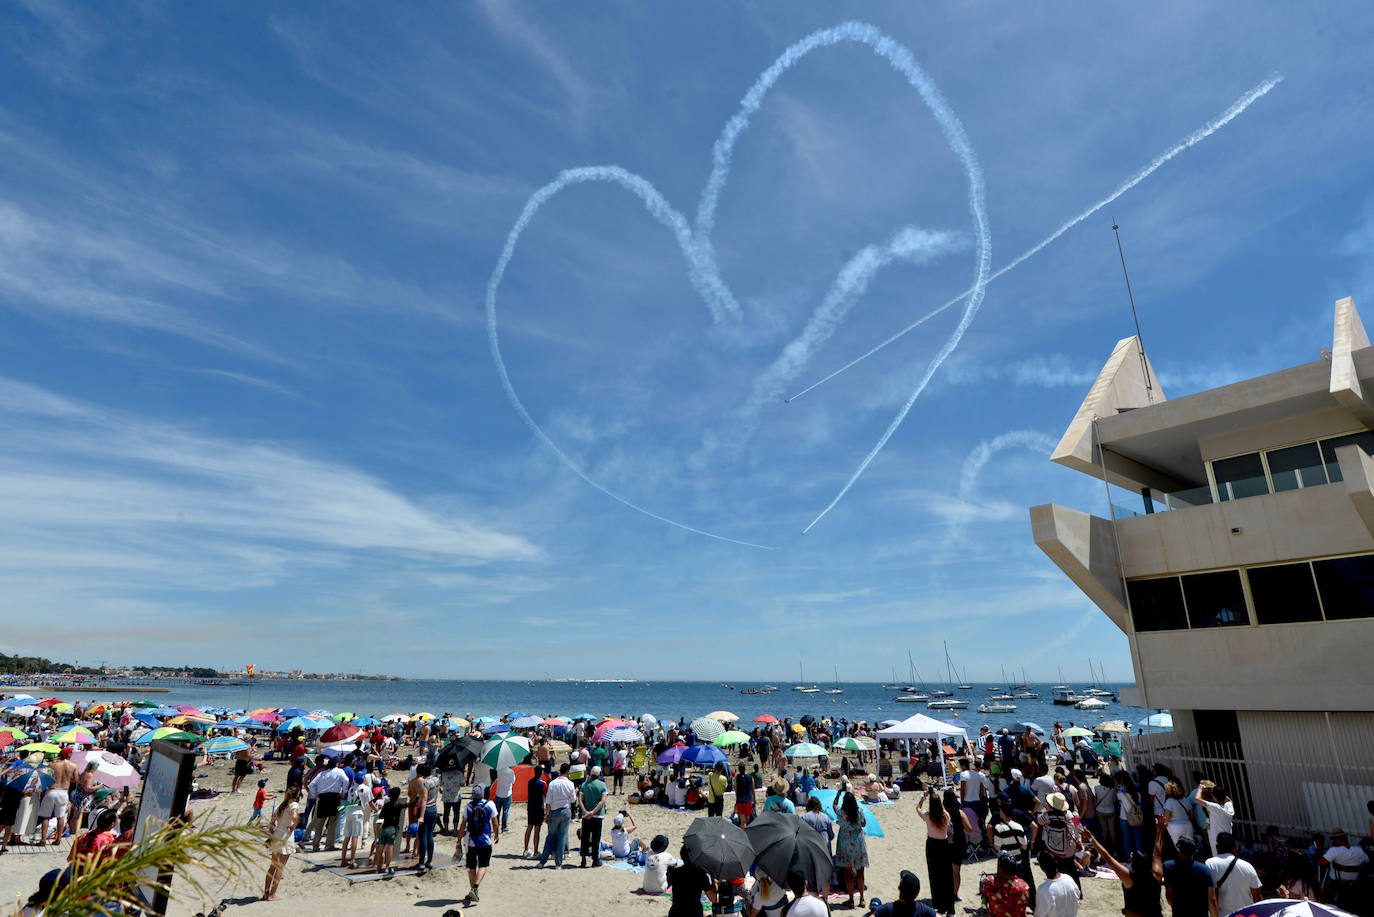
point(937, 852)
point(851, 847)
point(960, 829)
point(282, 842)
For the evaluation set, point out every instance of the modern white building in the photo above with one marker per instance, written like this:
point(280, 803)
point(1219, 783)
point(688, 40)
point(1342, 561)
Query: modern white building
point(1243, 573)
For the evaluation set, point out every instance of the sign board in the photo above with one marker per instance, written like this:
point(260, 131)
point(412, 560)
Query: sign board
point(166, 787)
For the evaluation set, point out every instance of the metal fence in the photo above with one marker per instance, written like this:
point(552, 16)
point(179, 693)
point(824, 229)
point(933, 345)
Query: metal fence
point(1296, 786)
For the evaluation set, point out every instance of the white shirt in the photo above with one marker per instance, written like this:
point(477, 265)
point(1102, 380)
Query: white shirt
point(656, 872)
point(969, 783)
point(505, 781)
point(1043, 787)
point(756, 900)
point(620, 842)
point(1157, 788)
point(333, 780)
point(561, 794)
point(809, 906)
point(1352, 858)
point(1234, 894)
point(1219, 819)
point(1057, 897)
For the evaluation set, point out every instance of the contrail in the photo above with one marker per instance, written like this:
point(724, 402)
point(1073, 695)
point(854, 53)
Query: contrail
point(909, 243)
point(696, 247)
point(665, 214)
point(973, 464)
point(1202, 133)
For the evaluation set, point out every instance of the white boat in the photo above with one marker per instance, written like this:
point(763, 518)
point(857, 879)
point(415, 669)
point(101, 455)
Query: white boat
point(996, 708)
point(909, 699)
point(811, 690)
point(1064, 696)
point(1003, 696)
point(1027, 695)
point(837, 689)
point(947, 703)
point(1092, 703)
point(801, 685)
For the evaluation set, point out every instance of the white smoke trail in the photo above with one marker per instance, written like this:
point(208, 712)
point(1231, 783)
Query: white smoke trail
point(907, 244)
point(700, 255)
point(1202, 133)
point(978, 458)
point(665, 214)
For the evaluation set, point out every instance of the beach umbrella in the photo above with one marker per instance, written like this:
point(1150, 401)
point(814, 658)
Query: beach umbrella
point(45, 702)
point(97, 709)
point(19, 700)
point(703, 755)
point(1112, 726)
point(14, 733)
point(344, 717)
point(317, 722)
point(395, 718)
point(46, 748)
point(301, 721)
point(648, 720)
point(783, 842)
point(584, 716)
point(850, 743)
point(24, 712)
point(624, 734)
point(606, 726)
point(459, 722)
point(343, 732)
point(552, 721)
point(169, 733)
point(1287, 907)
point(424, 715)
point(492, 729)
point(63, 707)
point(524, 722)
point(672, 755)
point(805, 750)
point(223, 745)
point(294, 711)
point(767, 718)
point(733, 737)
point(111, 770)
point(364, 721)
point(556, 747)
point(324, 713)
point(1023, 726)
point(723, 716)
point(827, 797)
point(26, 777)
point(265, 716)
point(506, 751)
point(188, 719)
point(75, 736)
point(147, 719)
point(719, 847)
point(143, 703)
point(188, 708)
point(1160, 720)
point(798, 728)
point(1076, 732)
point(516, 714)
point(707, 729)
point(459, 753)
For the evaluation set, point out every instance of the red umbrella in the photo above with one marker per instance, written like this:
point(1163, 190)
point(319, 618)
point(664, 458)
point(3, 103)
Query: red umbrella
point(48, 702)
point(770, 720)
point(552, 721)
point(342, 733)
point(606, 726)
point(267, 717)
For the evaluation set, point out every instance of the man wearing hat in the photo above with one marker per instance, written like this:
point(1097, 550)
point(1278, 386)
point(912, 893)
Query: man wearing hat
point(906, 905)
point(592, 798)
point(1060, 836)
point(777, 800)
point(1006, 893)
point(1346, 863)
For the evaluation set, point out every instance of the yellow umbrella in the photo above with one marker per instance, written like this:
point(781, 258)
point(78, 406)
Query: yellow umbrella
point(46, 748)
point(458, 721)
point(424, 716)
point(1112, 726)
point(77, 735)
point(724, 716)
point(555, 747)
point(798, 727)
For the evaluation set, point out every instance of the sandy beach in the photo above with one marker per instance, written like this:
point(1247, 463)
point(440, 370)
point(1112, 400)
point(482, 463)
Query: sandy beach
point(513, 885)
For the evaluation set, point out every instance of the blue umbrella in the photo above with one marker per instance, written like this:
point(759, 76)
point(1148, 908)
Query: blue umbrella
point(364, 721)
point(163, 711)
point(481, 720)
point(493, 728)
point(26, 777)
point(703, 754)
point(516, 715)
point(147, 720)
point(524, 722)
point(294, 711)
point(1021, 727)
point(223, 745)
point(324, 713)
point(827, 798)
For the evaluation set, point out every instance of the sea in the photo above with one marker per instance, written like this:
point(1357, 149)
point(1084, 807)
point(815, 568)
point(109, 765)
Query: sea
point(664, 699)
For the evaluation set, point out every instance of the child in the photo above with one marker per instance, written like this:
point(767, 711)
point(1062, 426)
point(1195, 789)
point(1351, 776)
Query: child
point(259, 801)
point(392, 810)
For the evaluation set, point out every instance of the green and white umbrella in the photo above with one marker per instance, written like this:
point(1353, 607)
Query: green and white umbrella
point(733, 737)
point(505, 751)
point(849, 743)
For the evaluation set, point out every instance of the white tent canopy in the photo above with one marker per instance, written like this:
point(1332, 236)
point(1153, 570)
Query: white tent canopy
point(921, 726)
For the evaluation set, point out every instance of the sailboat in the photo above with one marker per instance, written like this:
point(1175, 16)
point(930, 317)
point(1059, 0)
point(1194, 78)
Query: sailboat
point(965, 687)
point(912, 693)
point(894, 686)
point(947, 702)
point(801, 682)
point(1096, 689)
point(837, 689)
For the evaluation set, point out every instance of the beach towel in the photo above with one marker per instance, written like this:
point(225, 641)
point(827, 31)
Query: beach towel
point(624, 865)
point(827, 798)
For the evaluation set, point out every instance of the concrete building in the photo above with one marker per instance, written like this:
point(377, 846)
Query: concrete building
point(1242, 574)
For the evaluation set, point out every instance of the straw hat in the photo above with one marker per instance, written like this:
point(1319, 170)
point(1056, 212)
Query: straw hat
point(780, 786)
point(1058, 802)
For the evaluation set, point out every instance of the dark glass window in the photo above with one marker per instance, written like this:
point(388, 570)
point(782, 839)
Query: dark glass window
point(1296, 466)
point(1347, 586)
point(1215, 599)
point(1157, 604)
point(1365, 439)
point(1242, 476)
point(1284, 594)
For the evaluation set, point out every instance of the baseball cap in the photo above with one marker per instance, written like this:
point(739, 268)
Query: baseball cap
point(596, 771)
point(619, 820)
point(262, 783)
point(479, 792)
point(908, 883)
point(102, 794)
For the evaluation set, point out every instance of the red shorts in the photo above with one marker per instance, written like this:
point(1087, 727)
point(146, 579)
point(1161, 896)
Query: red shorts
point(744, 809)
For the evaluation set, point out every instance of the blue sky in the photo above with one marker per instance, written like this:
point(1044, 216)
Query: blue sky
point(250, 412)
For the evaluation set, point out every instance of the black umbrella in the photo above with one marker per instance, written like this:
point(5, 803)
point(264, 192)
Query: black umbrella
point(718, 846)
point(783, 842)
point(458, 753)
point(807, 720)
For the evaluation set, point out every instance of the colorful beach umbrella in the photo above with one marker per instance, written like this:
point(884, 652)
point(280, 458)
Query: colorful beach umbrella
point(111, 770)
point(13, 734)
point(424, 715)
point(703, 755)
point(805, 750)
point(26, 777)
point(552, 721)
point(606, 726)
point(767, 718)
point(733, 737)
point(1076, 732)
point(557, 747)
point(168, 733)
point(223, 745)
point(344, 717)
point(46, 748)
point(849, 743)
point(624, 734)
point(505, 751)
point(341, 734)
point(63, 707)
point(75, 736)
point(459, 722)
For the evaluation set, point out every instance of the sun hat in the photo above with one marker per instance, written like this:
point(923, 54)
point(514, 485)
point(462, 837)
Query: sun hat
point(1058, 802)
point(659, 843)
point(102, 794)
point(780, 786)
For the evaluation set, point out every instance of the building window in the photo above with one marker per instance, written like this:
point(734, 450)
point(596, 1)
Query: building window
point(1284, 594)
point(1215, 599)
point(1347, 586)
point(1364, 439)
point(1157, 604)
point(1296, 466)
point(1239, 477)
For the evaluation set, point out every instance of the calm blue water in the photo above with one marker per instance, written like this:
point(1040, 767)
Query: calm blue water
point(868, 702)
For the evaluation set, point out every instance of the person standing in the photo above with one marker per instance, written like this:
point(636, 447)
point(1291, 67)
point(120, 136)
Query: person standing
point(592, 799)
point(357, 812)
point(619, 758)
point(328, 788)
point(429, 817)
point(1238, 883)
point(56, 800)
point(937, 852)
point(1058, 835)
point(744, 797)
point(1057, 896)
point(1104, 806)
point(1189, 886)
point(1220, 814)
point(851, 849)
point(482, 831)
point(974, 789)
point(717, 782)
point(282, 842)
point(503, 789)
point(534, 810)
point(558, 804)
point(243, 766)
point(1140, 883)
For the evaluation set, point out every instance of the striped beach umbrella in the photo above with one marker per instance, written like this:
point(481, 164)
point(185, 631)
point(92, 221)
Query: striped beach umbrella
point(849, 743)
point(505, 751)
point(342, 734)
point(627, 734)
point(556, 747)
point(708, 729)
point(552, 721)
point(605, 727)
point(725, 716)
point(75, 736)
point(223, 745)
point(805, 750)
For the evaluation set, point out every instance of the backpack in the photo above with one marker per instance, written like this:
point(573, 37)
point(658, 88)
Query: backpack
point(1131, 811)
point(479, 819)
point(1056, 834)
